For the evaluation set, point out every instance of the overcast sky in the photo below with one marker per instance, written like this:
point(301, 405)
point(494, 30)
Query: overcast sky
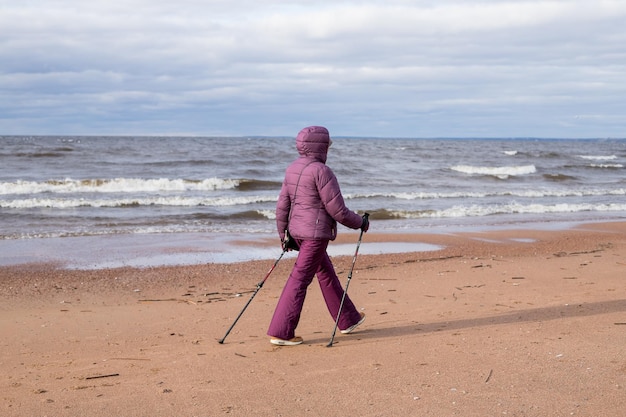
point(392, 68)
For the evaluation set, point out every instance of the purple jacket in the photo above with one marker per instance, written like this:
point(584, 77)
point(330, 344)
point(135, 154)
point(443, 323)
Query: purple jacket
point(318, 204)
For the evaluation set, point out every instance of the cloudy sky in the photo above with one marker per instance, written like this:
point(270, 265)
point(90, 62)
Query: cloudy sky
point(391, 68)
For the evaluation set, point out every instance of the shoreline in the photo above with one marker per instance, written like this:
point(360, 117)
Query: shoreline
point(186, 249)
point(46, 279)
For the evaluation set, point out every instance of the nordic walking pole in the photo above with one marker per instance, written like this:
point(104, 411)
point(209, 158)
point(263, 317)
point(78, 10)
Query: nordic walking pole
point(343, 297)
point(258, 287)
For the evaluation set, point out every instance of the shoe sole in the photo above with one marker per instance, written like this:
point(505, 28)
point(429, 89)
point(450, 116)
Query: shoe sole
point(280, 342)
point(353, 327)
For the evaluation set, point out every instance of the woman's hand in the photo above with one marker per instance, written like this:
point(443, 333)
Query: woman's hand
point(366, 223)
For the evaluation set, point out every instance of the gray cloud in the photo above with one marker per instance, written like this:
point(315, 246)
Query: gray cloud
point(392, 68)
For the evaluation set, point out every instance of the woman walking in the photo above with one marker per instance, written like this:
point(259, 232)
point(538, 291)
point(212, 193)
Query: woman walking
point(309, 207)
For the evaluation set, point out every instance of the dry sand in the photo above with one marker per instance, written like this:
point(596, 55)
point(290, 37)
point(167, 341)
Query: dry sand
point(510, 323)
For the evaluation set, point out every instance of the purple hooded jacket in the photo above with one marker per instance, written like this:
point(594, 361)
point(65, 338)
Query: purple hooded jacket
point(318, 204)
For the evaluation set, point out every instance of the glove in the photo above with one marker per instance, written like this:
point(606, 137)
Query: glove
point(366, 223)
point(289, 243)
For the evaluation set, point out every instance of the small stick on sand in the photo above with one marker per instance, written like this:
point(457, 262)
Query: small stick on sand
point(101, 376)
point(489, 376)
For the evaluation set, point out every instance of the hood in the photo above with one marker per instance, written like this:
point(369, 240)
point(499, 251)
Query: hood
point(313, 141)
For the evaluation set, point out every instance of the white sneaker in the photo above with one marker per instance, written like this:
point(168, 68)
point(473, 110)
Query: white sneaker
point(354, 326)
point(282, 342)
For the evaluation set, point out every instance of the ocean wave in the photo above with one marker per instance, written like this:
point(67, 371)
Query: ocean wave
point(43, 154)
point(530, 193)
point(235, 199)
point(489, 210)
point(268, 214)
point(132, 185)
point(178, 201)
point(610, 166)
point(598, 157)
point(499, 172)
point(254, 185)
point(558, 177)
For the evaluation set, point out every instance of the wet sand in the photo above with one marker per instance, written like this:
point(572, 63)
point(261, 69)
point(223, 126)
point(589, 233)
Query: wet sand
point(517, 323)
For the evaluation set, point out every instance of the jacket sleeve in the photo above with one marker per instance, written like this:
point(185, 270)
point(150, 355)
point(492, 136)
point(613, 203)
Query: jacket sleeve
point(332, 199)
point(283, 206)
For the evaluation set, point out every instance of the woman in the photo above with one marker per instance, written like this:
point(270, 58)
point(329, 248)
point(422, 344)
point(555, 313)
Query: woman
point(309, 206)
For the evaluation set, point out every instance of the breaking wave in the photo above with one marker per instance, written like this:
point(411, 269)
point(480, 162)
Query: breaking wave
point(132, 185)
point(499, 172)
point(488, 210)
point(177, 201)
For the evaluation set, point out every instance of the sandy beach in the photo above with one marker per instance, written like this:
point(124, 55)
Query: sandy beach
point(501, 323)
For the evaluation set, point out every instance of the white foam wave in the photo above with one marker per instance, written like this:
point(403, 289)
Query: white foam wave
point(510, 153)
point(227, 201)
point(116, 185)
point(512, 208)
point(598, 157)
point(68, 203)
point(499, 172)
point(563, 192)
point(269, 214)
point(606, 166)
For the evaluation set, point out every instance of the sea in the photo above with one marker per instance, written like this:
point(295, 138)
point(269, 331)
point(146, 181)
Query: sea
point(99, 201)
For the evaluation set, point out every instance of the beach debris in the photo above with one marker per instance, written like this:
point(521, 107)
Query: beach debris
point(489, 376)
point(561, 254)
point(470, 286)
point(101, 376)
point(381, 279)
point(80, 387)
point(205, 297)
point(154, 300)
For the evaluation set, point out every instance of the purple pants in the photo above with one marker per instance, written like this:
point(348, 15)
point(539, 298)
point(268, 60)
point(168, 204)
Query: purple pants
point(312, 259)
